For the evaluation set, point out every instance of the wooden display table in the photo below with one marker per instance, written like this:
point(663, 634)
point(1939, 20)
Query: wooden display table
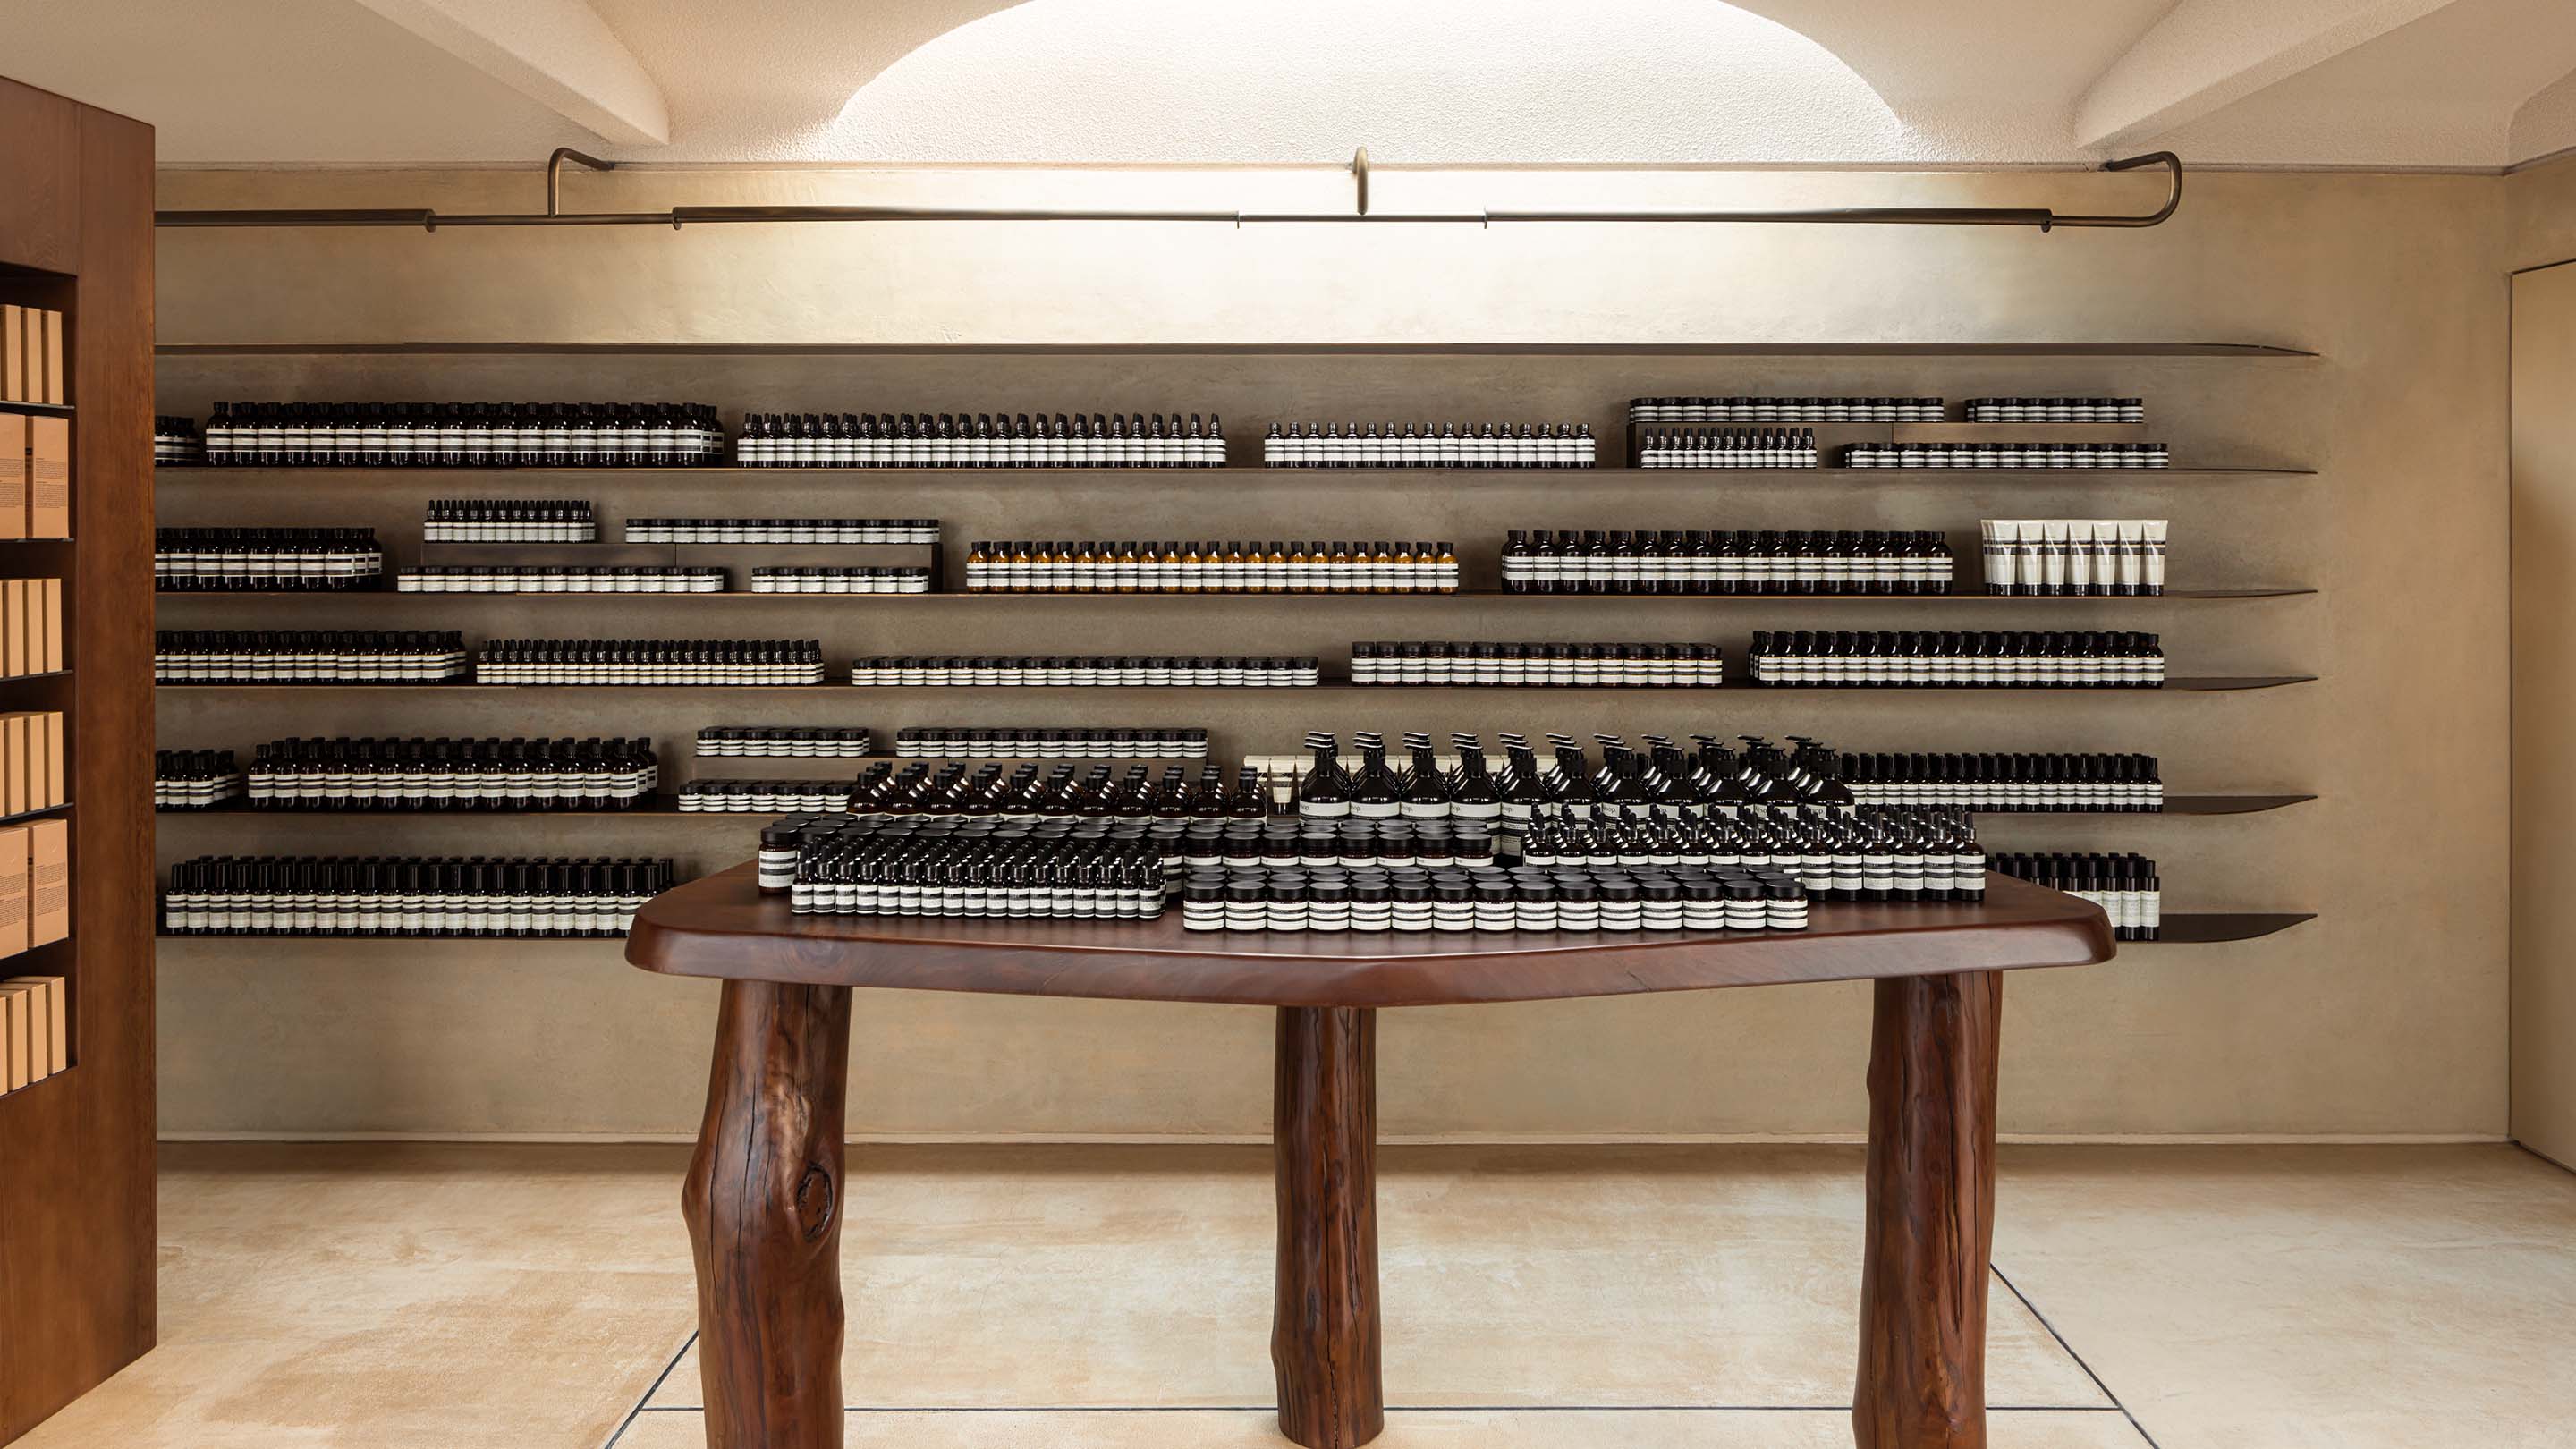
point(763, 1199)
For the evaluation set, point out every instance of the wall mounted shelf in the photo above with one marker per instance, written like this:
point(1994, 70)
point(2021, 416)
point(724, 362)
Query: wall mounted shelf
point(2180, 929)
point(2177, 684)
point(652, 807)
point(618, 940)
point(1483, 596)
point(2191, 928)
point(1232, 349)
point(638, 547)
point(666, 806)
point(2228, 804)
point(1372, 477)
point(37, 410)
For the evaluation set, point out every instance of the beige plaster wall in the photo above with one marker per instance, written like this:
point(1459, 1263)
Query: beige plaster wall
point(2387, 1016)
point(2540, 214)
point(2543, 210)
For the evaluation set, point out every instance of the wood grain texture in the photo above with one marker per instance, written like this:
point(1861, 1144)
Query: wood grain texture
point(40, 161)
point(764, 1208)
point(1931, 1213)
point(764, 1189)
point(720, 925)
point(77, 1210)
point(1324, 1329)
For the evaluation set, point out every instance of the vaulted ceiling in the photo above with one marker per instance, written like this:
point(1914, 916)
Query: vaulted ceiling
point(2431, 83)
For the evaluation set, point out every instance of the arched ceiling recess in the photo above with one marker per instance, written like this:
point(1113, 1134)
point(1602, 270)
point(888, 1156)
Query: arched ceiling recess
point(2445, 83)
point(1428, 81)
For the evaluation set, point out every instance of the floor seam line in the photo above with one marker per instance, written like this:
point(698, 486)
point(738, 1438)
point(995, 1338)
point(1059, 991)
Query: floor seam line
point(2033, 1309)
point(651, 1389)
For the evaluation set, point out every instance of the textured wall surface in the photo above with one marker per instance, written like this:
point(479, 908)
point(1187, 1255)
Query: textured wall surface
point(2540, 215)
point(2544, 659)
point(2544, 686)
point(2385, 1017)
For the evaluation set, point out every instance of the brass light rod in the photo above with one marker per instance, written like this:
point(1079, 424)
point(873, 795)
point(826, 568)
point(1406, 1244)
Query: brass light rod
point(2032, 216)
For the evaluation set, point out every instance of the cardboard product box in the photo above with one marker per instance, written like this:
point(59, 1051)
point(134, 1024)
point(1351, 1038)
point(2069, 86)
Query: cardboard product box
point(15, 729)
point(56, 792)
point(23, 736)
point(58, 386)
point(31, 356)
point(14, 902)
point(14, 446)
point(49, 881)
point(42, 788)
point(50, 1027)
point(45, 1030)
point(49, 478)
point(48, 1044)
point(13, 627)
point(13, 353)
point(17, 1020)
point(58, 1010)
point(50, 597)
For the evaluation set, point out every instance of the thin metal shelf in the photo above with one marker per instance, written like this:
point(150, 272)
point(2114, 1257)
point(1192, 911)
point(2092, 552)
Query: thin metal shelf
point(653, 806)
point(2187, 683)
point(2178, 684)
point(38, 813)
point(1232, 349)
point(2174, 805)
point(667, 807)
point(336, 472)
point(854, 761)
point(628, 543)
point(273, 937)
point(1204, 595)
point(2191, 928)
point(447, 596)
point(2179, 929)
point(37, 410)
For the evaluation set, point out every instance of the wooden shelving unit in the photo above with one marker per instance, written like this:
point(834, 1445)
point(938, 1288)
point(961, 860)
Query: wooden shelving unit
point(77, 1240)
point(41, 812)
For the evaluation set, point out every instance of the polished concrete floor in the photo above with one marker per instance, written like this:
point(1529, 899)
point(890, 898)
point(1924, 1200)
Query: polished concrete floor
point(1576, 1298)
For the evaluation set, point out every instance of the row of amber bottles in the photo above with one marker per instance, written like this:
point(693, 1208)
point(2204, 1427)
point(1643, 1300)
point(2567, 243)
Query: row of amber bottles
point(1061, 790)
point(1207, 567)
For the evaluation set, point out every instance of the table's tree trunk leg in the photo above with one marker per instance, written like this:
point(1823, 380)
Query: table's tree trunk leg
point(1324, 1333)
point(1931, 1213)
point(763, 1201)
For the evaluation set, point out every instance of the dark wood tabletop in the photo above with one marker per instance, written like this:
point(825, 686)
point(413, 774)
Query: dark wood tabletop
point(723, 926)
